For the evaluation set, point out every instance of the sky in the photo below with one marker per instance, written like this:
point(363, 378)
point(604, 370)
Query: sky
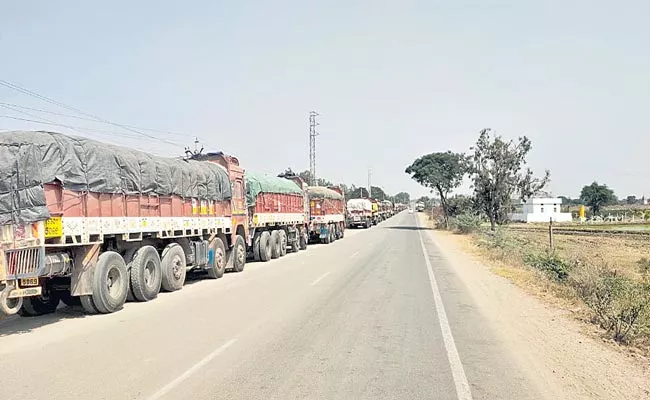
point(391, 80)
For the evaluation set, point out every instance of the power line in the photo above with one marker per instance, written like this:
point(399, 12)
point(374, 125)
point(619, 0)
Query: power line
point(78, 111)
point(75, 128)
point(88, 119)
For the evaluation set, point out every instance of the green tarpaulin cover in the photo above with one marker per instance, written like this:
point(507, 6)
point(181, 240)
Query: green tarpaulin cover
point(257, 183)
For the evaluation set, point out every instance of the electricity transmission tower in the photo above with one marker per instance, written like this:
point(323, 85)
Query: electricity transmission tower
point(312, 146)
point(369, 186)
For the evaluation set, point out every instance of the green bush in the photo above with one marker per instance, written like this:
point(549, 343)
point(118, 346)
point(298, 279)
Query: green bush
point(549, 263)
point(467, 223)
point(620, 305)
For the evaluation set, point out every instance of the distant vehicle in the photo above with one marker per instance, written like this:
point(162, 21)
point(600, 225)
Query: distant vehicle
point(359, 213)
point(419, 207)
point(410, 211)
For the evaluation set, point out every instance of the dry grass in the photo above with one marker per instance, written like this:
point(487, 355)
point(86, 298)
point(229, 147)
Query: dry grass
point(621, 252)
point(508, 259)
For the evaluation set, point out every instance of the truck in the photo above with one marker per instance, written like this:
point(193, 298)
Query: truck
point(375, 212)
point(386, 209)
point(278, 219)
point(326, 214)
point(360, 213)
point(89, 223)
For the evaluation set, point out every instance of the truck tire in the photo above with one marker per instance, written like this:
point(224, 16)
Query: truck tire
point(39, 305)
point(295, 245)
point(173, 268)
point(9, 306)
point(256, 246)
point(239, 254)
point(283, 243)
point(275, 244)
point(68, 299)
point(266, 247)
point(145, 273)
point(304, 240)
point(88, 304)
point(110, 282)
point(217, 259)
point(128, 257)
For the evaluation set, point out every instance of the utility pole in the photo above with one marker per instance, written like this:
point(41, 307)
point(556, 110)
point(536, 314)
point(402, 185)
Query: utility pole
point(369, 186)
point(312, 146)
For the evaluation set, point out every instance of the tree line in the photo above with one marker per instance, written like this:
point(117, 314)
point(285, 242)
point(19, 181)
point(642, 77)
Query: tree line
point(498, 172)
point(352, 191)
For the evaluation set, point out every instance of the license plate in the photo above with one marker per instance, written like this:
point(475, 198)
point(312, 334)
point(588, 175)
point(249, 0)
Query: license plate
point(29, 282)
point(36, 291)
point(53, 227)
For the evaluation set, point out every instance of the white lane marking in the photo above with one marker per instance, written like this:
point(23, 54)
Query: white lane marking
point(171, 385)
point(463, 391)
point(356, 253)
point(320, 279)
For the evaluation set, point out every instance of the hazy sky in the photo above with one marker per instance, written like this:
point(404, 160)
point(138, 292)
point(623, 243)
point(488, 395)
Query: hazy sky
point(392, 80)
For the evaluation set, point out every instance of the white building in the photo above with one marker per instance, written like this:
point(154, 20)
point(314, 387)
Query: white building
point(541, 210)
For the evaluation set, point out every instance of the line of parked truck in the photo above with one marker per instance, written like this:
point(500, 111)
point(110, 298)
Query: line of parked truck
point(95, 225)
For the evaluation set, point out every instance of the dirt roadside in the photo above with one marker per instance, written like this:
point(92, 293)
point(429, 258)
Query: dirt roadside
point(559, 352)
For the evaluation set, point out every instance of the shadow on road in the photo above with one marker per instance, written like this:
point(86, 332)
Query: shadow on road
point(409, 228)
point(16, 325)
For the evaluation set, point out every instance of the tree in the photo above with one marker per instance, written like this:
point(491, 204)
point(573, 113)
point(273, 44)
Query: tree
point(497, 169)
point(402, 197)
point(461, 204)
point(631, 200)
point(596, 196)
point(441, 172)
point(305, 176)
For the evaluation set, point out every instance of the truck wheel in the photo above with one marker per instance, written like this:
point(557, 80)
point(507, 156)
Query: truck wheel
point(295, 245)
point(239, 254)
point(110, 282)
point(266, 247)
point(9, 306)
point(217, 259)
point(68, 299)
point(145, 274)
point(283, 243)
point(173, 267)
point(256, 246)
point(275, 244)
point(304, 240)
point(88, 304)
point(39, 305)
point(128, 257)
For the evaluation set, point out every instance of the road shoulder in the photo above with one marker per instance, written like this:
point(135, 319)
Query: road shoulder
point(546, 341)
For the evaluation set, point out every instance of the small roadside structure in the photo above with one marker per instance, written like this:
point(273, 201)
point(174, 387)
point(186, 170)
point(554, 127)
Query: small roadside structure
point(540, 210)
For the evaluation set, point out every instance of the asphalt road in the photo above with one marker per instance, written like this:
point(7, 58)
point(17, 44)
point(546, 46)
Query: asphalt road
point(366, 317)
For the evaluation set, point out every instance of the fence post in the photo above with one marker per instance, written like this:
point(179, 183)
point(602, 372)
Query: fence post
point(551, 242)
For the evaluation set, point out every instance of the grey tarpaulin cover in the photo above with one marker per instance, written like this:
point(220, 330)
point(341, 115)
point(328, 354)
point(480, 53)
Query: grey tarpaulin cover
point(30, 159)
point(320, 192)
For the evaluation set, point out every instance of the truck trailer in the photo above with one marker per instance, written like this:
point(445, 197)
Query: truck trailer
point(278, 217)
point(92, 224)
point(359, 213)
point(326, 214)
